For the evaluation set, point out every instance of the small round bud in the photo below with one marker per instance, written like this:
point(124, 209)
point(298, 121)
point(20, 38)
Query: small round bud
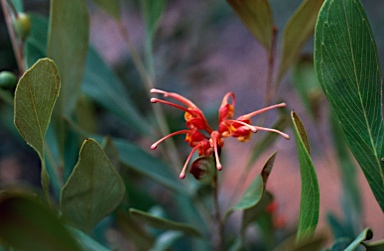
point(7, 79)
point(22, 25)
point(203, 169)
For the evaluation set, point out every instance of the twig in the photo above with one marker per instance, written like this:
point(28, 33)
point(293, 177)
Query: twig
point(17, 44)
point(218, 234)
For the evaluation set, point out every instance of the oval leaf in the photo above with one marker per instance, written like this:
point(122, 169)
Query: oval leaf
point(35, 98)
point(297, 31)
point(348, 70)
point(93, 190)
point(28, 224)
point(310, 194)
point(257, 17)
point(67, 46)
point(162, 223)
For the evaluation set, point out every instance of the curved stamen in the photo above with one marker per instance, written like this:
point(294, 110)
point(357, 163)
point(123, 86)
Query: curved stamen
point(214, 137)
point(154, 145)
point(250, 127)
point(156, 100)
point(273, 130)
point(249, 115)
point(176, 96)
point(182, 173)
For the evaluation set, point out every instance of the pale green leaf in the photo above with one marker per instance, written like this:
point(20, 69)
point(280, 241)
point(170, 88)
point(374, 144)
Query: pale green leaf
point(348, 69)
point(367, 234)
point(112, 7)
point(28, 224)
point(67, 46)
point(35, 98)
point(257, 17)
point(297, 31)
point(374, 246)
point(254, 193)
point(162, 223)
point(310, 194)
point(93, 190)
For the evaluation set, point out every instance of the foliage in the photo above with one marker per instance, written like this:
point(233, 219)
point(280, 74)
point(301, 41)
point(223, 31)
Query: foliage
point(90, 129)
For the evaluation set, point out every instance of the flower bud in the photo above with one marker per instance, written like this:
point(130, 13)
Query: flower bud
point(203, 169)
point(22, 25)
point(7, 79)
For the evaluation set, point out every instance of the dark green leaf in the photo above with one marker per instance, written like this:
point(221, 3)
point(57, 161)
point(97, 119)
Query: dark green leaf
point(297, 31)
point(35, 47)
point(35, 98)
point(251, 214)
point(67, 46)
point(367, 234)
point(162, 223)
point(18, 4)
point(103, 86)
point(110, 6)
point(348, 70)
point(310, 194)
point(148, 165)
point(28, 224)
point(93, 190)
point(257, 17)
point(313, 244)
point(374, 246)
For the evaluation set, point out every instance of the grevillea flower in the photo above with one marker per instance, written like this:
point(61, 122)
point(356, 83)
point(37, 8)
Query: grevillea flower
point(200, 135)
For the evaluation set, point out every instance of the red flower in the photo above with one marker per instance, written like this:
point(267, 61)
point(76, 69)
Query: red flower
point(199, 134)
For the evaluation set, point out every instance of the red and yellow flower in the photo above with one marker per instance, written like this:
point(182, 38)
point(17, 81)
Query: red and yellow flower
point(200, 135)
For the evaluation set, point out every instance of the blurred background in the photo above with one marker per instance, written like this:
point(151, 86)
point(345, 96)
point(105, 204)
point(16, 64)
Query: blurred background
point(203, 51)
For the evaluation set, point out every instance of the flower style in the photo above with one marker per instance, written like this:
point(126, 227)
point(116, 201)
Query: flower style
point(200, 135)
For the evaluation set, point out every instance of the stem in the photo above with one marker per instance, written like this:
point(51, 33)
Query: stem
point(17, 44)
point(270, 90)
point(218, 231)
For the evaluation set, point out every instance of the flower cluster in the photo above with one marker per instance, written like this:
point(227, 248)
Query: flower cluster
point(200, 135)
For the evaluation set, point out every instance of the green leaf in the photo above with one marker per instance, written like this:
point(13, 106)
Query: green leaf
point(134, 231)
point(254, 193)
point(251, 214)
point(35, 47)
point(162, 223)
point(297, 31)
point(28, 224)
point(308, 87)
point(367, 234)
point(102, 85)
point(310, 194)
point(86, 242)
point(35, 98)
point(112, 7)
point(142, 162)
point(93, 190)
point(313, 244)
point(152, 12)
point(257, 17)
point(18, 4)
point(67, 46)
point(348, 69)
